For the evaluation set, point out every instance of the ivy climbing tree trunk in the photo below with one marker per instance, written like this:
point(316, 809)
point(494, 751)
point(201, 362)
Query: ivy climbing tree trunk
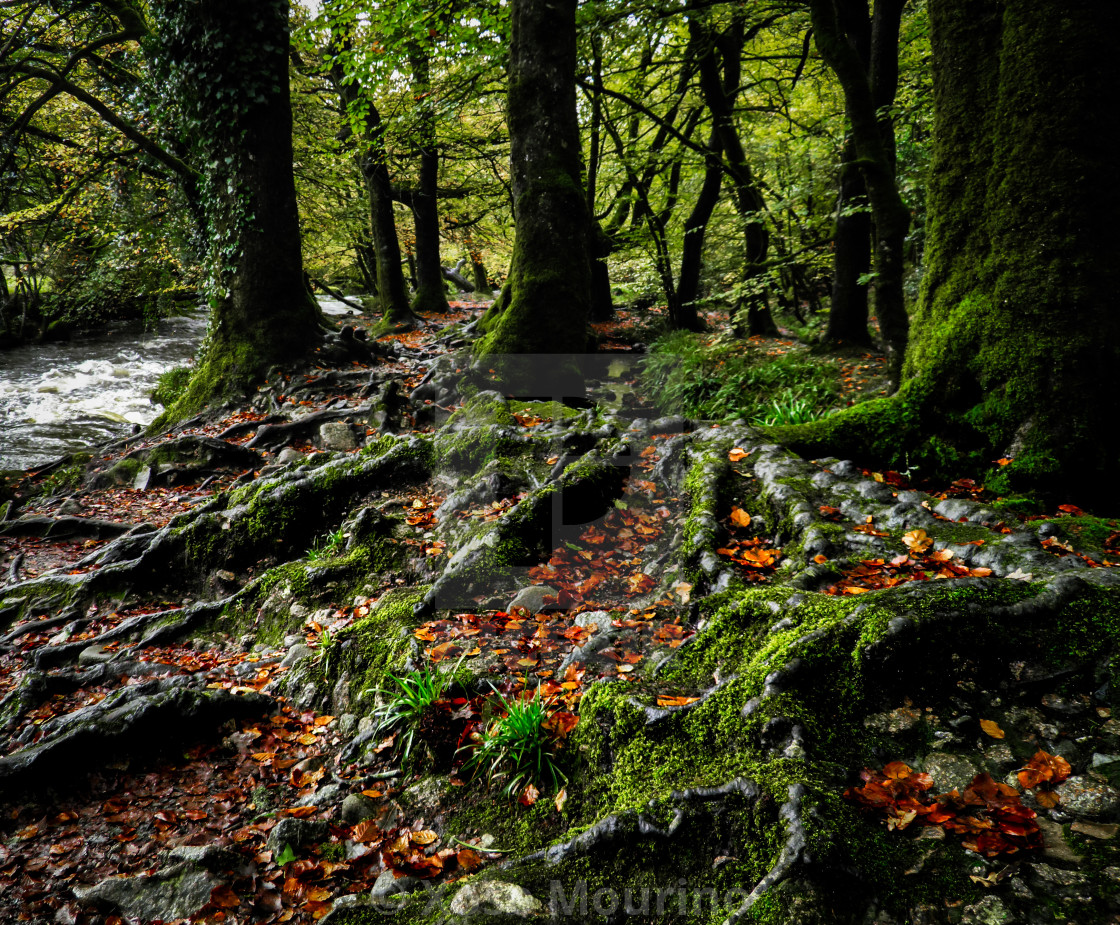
point(226, 62)
point(545, 305)
point(1016, 340)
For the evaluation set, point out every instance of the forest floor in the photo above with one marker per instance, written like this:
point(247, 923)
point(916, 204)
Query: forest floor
point(192, 624)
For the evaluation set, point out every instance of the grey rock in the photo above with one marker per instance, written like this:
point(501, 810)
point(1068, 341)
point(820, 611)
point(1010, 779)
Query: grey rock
point(949, 771)
point(175, 892)
point(327, 795)
point(1054, 844)
point(297, 833)
point(143, 477)
point(424, 796)
point(288, 456)
point(357, 808)
point(337, 435)
point(347, 724)
point(489, 897)
point(388, 885)
point(1001, 758)
point(1085, 797)
point(1056, 875)
point(211, 857)
point(1063, 706)
point(297, 653)
point(988, 911)
point(899, 720)
point(94, 655)
point(532, 598)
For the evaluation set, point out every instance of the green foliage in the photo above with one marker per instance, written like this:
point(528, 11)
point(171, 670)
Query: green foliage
point(171, 385)
point(787, 408)
point(328, 547)
point(517, 748)
point(717, 380)
point(416, 694)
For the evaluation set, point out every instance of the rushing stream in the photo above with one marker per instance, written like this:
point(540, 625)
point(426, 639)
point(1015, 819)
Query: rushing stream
point(61, 397)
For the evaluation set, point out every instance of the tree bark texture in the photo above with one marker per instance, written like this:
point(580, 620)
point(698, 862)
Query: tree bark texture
point(430, 295)
point(1017, 326)
point(268, 315)
point(1016, 338)
point(546, 302)
point(874, 146)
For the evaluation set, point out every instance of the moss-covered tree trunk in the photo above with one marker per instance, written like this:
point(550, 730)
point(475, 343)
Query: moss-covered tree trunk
point(1016, 340)
point(545, 305)
point(262, 313)
point(430, 295)
point(1018, 322)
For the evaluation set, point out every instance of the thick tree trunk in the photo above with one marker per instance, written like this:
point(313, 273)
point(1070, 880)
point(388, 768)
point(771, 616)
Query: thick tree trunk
point(546, 302)
point(1018, 323)
point(1016, 339)
point(267, 315)
point(430, 296)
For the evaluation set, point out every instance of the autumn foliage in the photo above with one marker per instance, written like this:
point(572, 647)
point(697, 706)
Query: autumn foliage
point(989, 815)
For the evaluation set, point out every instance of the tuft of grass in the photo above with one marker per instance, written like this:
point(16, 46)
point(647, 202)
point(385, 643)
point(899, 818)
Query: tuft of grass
point(724, 379)
point(787, 408)
point(516, 748)
point(328, 547)
point(405, 707)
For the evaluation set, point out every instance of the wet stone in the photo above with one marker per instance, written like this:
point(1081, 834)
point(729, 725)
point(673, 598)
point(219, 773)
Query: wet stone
point(1082, 796)
point(895, 721)
point(1063, 706)
point(949, 772)
point(988, 911)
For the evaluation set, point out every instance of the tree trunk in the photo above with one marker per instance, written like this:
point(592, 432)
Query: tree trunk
point(267, 315)
point(546, 302)
point(752, 314)
point(478, 271)
point(430, 296)
point(851, 256)
point(1016, 339)
point(876, 160)
point(602, 302)
point(391, 291)
point(695, 227)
